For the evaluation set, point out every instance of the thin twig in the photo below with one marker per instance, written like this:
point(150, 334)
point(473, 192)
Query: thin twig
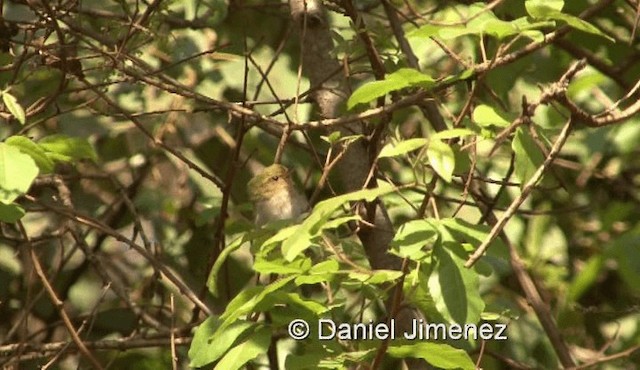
point(57, 303)
point(526, 190)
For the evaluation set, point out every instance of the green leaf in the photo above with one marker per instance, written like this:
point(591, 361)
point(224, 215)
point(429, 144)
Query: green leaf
point(531, 29)
point(377, 277)
point(312, 307)
point(402, 148)
point(483, 22)
point(450, 33)
point(282, 234)
point(66, 149)
point(332, 138)
point(17, 172)
point(457, 77)
point(415, 239)
point(281, 267)
point(455, 289)
point(440, 355)
point(441, 158)
point(543, 10)
point(317, 220)
point(585, 278)
point(556, 5)
point(452, 133)
point(39, 155)
point(328, 266)
point(207, 347)
point(14, 107)
point(248, 300)
point(246, 351)
point(309, 360)
point(426, 31)
point(486, 116)
point(400, 79)
point(463, 231)
point(323, 271)
point(624, 250)
point(336, 222)
point(212, 280)
point(10, 213)
point(528, 155)
point(466, 235)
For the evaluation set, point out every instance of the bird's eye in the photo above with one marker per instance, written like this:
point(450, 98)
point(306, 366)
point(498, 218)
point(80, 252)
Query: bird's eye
point(275, 178)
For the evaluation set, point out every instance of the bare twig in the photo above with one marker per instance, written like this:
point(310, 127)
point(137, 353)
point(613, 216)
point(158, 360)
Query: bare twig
point(526, 190)
point(88, 221)
point(57, 303)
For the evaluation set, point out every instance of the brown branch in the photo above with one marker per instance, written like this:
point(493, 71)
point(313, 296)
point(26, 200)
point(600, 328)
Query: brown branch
point(557, 89)
point(361, 30)
point(526, 190)
point(594, 61)
point(33, 350)
point(157, 141)
point(57, 303)
point(593, 121)
point(622, 354)
point(88, 221)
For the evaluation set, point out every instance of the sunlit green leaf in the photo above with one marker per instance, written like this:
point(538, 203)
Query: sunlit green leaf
point(552, 4)
point(425, 31)
point(440, 355)
point(212, 280)
point(403, 147)
point(319, 216)
point(528, 155)
point(207, 347)
point(39, 155)
point(414, 239)
point(280, 266)
point(14, 107)
point(452, 133)
point(400, 79)
point(295, 299)
point(65, 148)
point(486, 116)
point(250, 348)
point(377, 277)
point(544, 11)
point(441, 158)
point(483, 22)
point(454, 288)
point(17, 172)
point(248, 300)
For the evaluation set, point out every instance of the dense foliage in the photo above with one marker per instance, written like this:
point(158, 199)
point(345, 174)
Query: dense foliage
point(467, 163)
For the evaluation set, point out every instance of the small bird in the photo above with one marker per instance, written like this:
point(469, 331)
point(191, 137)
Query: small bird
point(274, 195)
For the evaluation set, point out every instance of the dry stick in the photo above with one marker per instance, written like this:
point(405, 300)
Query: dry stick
point(554, 91)
point(591, 121)
point(174, 356)
point(88, 221)
point(395, 308)
point(626, 353)
point(529, 186)
point(535, 300)
point(192, 165)
point(57, 303)
point(219, 236)
point(33, 351)
point(530, 290)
